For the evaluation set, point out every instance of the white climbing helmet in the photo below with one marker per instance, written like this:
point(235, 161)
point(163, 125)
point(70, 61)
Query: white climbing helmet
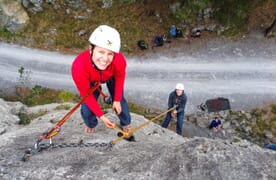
point(106, 37)
point(179, 86)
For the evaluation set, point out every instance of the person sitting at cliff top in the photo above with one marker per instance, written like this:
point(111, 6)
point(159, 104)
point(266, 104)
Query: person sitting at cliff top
point(215, 124)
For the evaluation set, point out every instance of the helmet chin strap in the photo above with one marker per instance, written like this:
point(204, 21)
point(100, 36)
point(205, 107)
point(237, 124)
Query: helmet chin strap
point(95, 66)
point(91, 48)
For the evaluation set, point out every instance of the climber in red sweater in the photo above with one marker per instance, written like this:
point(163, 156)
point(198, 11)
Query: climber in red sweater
point(102, 62)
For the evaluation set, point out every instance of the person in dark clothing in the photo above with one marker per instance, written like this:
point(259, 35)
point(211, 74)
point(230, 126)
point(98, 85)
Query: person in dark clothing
point(215, 124)
point(178, 99)
point(158, 41)
point(270, 146)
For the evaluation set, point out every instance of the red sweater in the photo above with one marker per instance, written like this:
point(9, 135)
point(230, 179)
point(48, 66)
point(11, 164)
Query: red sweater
point(84, 72)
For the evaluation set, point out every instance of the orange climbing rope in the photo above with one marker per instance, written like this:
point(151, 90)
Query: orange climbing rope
point(56, 129)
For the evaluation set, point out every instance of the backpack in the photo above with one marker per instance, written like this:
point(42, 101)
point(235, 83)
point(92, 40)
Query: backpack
point(179, 33)
point(158, 41)
point(218, 104)
point(173, 31)
point(142, 44)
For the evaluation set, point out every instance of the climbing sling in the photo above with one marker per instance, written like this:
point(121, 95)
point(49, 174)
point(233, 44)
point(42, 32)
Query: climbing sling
point(56, 129)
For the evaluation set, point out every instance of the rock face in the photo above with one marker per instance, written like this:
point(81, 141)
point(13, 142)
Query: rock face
point(13, 17)
point(157, 154)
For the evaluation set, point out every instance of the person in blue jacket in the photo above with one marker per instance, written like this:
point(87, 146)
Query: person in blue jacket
point(270, 146)
point(173, 31)
point(215, 124)
point(178, 99)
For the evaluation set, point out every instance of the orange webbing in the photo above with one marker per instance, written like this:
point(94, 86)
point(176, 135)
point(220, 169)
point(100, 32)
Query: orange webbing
point(55, 130)
point(125, 135)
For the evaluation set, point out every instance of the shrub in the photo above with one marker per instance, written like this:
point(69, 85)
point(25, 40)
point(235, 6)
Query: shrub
point(66, 96)
point(273, 108)
point(24, 119)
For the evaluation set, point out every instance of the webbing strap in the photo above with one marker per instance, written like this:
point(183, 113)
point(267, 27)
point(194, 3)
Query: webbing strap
point(56, 129)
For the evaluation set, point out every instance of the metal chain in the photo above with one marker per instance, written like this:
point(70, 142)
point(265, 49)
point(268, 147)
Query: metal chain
point(42, 147)
point(106, 146)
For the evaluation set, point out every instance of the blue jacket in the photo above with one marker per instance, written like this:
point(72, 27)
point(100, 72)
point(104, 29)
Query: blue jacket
point(214, 123)
point(178, 101)
point(270, 146)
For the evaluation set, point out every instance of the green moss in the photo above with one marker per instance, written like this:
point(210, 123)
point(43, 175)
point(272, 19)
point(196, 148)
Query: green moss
point(63, 107)
point(236, 139)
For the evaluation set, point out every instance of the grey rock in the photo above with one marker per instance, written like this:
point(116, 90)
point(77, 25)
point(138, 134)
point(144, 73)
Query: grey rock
point(268, 134)
point(226, 124)
point(158, 153)
point(17, 107)
point(203, 122)
point(82, 32)
point(107, 4)
point(12, 16)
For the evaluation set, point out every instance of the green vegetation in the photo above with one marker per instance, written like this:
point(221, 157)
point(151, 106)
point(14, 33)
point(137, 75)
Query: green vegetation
point(266, 120)
point(39, 95)
point(232, 14)
point(8, 36)
point(36, 95)
point(58, 26)
point(26, 118)
point(63, 107)
point(273, 108)
point(236, 139)
point(189, 10)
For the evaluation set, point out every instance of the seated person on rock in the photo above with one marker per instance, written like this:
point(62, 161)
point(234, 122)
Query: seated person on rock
point(215, 124)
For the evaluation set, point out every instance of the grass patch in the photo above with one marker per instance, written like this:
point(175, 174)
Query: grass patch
point(39, 95)
point(63, 107)
point(5, 34)
point(26, 118)
point(58, 26)
point(266, 120)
